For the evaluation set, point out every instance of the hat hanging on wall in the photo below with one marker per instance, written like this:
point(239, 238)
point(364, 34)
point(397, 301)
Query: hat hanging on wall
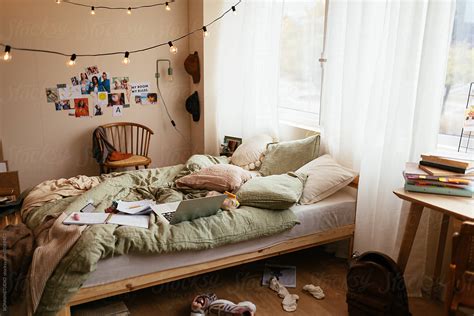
point(192, 106)
point(191, 64)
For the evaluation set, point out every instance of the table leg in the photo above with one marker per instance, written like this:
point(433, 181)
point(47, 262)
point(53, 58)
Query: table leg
point(440, 253)
point(411, 227)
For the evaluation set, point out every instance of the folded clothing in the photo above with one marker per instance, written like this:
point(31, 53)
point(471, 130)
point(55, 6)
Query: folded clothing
point(277, 192)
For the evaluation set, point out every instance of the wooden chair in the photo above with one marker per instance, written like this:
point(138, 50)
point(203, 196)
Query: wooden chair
point(460, 286)
point(129, 138)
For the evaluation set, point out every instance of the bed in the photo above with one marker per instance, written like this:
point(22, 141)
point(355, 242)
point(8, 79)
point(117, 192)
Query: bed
point(329, 220)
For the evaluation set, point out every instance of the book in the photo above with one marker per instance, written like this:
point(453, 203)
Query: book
point(78, 218)
point(443, 173)
point(438, 190)
point(285, 274)
point(446, 167)
point(456, 161)
point(136, 207)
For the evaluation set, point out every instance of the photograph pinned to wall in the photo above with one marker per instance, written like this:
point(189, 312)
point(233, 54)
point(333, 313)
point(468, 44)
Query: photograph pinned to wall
point(98, 110)
point(146, 98)
point(69, 92)
point(116, 99)
point(74, 81)
point(92, 70)
point(117, 110)
point(102, 99)
point(61, 85)
point(120, 83)
point(63, 105)
point(84, 82)
point(137, 88)
point(81, 107)
point(469, 119)
point(104, 82)
point(52, 95)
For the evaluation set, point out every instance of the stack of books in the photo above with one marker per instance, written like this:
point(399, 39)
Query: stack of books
point(439, 174)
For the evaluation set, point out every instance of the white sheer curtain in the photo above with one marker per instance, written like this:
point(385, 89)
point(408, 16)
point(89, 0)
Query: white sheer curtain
point(242, 69)
point(381, 106)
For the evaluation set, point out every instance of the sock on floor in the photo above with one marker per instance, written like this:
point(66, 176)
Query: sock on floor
point(316, 291)
point(290, 301)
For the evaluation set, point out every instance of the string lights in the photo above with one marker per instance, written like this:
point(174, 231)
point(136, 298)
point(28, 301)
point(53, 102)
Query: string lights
point(126, 59)
point(127, 9)
point(72, 60)
point(92, 10)
point(7, 56)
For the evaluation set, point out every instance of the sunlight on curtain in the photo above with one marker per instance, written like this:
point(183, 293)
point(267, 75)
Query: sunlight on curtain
point(381, 106)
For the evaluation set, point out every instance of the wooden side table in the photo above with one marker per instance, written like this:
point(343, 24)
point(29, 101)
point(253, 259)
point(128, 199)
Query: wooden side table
point(461, 208)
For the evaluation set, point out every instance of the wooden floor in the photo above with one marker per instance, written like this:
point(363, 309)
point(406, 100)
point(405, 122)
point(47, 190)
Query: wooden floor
point(243, 283)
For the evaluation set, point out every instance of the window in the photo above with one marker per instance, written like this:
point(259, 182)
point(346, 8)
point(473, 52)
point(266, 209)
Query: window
point(459, 75)
point(302, 39)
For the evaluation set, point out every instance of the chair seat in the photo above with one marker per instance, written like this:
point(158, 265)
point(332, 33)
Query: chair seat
point(135, 160)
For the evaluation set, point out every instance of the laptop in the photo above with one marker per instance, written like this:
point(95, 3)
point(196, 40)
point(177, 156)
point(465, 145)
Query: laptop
point(188, 210)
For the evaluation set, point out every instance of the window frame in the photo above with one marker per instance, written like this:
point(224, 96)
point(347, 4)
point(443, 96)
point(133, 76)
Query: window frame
point(306, 119)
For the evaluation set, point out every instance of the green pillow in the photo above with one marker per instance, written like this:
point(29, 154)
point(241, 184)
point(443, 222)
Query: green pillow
point(289, 156)
point(276, 192)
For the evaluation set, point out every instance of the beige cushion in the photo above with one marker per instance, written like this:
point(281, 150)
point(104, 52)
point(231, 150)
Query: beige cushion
point(276, 192)
point(288, 156)
point(325, 177)
point(249, 154)
point(216, 178)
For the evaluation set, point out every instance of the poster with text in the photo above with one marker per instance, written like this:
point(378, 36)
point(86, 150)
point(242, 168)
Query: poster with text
point(117, 110)
point(140, 87)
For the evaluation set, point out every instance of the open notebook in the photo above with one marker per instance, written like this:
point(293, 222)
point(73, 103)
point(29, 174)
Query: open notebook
point(78, 218)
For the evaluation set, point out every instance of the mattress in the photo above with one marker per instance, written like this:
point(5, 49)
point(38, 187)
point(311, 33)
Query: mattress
point(335, 211)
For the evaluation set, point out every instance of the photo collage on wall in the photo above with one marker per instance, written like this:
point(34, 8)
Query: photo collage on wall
point(93, 91)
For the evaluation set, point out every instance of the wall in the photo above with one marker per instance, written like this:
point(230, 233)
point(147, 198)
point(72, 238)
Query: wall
point(196, 43)
point(44, 144)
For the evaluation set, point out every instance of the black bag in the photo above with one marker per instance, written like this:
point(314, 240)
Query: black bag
point(375, 286)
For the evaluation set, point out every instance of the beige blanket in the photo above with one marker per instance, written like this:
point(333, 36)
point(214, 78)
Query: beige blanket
point(51, 190)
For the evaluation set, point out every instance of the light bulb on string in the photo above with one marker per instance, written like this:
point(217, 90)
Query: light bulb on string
point(126, 59)
point(72, 60)
point(92, 10)
point(205, 32)
point(8, 55)
point(234, 10)
point(129, 11)
point(58, 1)
point(168, 8)
point(173, 49)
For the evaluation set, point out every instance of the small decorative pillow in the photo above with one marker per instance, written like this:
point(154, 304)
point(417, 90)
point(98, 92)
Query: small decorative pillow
point(325, 177)
point(198, 162)
point(276, 192)
point(288, 156)
point(250, 153)
point(215, 178)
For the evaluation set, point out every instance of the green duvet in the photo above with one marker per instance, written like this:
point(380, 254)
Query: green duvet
point(103, 241)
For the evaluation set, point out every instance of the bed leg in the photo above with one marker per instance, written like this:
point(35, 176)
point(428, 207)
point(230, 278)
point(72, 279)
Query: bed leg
point(66, 311)
point(351, 247)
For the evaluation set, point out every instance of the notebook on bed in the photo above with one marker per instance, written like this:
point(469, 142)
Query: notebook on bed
point(187, 210)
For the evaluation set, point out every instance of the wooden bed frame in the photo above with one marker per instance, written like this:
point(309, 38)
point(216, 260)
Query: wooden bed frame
point(98, 292)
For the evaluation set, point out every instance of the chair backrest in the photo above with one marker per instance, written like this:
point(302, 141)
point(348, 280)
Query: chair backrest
point(129, 137)
point(463, 260)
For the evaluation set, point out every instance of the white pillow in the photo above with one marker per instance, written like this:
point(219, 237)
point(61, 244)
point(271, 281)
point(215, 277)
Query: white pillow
point(325, 177)
point(249, 155)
